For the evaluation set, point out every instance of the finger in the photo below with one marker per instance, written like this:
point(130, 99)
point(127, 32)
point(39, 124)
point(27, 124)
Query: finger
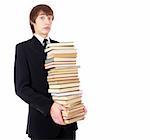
point(85, 110)
point(61, 122)
point(63, 108)
point(60, 118)
point(60, 107)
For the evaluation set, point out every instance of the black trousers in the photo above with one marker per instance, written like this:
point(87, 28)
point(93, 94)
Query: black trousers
point(64, 134)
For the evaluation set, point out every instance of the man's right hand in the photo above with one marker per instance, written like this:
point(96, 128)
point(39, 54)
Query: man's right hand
point(55, 113)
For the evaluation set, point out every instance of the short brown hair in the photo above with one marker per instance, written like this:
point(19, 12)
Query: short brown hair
point(35, 12)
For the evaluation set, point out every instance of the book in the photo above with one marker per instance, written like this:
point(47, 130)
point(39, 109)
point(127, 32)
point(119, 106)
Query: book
point(62, 79)
point(63, 82)
point(59, 63)
point(64, 68)
point(71, 105)
point(78, 92)
point(73, 111)
point(75, 106)
point(62, 51)
point(59, 66)
point(70, 47)
point(64, 85)
point(64, 94)
point(67, 102)
point(62, 75)
point(60, 90)
point(73, 77)
point(55, 59)
point(63, 71)
point(74, 115)
point(69, 121)
point(65, 55)
point(60, 44)
point(69, 97)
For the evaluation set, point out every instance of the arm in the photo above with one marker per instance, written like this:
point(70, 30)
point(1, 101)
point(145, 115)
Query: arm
point(23, 85)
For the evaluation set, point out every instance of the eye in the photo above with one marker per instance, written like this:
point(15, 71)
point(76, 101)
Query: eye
point(42, 17)
point(49, 17)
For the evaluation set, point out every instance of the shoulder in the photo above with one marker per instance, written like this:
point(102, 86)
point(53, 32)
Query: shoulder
point(24, 43)
point(21, 47)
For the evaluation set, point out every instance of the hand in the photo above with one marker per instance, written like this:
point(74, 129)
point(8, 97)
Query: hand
point(55, 113)
point(85, 110)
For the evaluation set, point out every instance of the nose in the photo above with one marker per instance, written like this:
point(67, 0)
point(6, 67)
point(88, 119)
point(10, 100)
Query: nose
point(47, 21)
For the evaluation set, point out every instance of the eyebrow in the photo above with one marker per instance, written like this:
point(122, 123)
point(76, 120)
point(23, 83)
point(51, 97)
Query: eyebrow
point(43, 14)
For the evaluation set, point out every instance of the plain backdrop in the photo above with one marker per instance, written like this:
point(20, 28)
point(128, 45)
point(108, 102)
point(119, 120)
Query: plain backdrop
point(113, 42)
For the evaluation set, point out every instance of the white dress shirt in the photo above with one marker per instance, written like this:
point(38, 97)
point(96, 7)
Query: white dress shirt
point(41, 38)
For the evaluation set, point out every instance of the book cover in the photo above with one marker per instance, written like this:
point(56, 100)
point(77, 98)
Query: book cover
point(69, 97)
point(62, 75)
point(65, 55)
point(60, 90)
point(76, 114)
point(74, 120)
point(64, 85)
point(58, 48)
point(62, 79)
point(67, 102)
point(55, 59)
point(78, 92)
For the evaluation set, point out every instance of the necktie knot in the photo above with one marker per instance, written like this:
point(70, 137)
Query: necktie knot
point(45, 42)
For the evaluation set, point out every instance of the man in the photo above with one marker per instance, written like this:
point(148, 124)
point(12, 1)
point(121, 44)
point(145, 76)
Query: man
point(44, 118)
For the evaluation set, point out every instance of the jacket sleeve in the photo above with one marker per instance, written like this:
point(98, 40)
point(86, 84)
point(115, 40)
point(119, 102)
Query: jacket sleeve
point(23, 85)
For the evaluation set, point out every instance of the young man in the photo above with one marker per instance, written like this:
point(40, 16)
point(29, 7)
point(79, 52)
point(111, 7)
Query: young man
point(44, 118)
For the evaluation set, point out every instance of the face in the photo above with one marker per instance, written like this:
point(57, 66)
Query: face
point(42, 25)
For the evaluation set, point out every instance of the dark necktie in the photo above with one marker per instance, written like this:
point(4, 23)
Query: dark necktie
point(45, 42)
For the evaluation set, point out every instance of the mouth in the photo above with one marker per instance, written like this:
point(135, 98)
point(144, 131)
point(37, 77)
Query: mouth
point(47, 28)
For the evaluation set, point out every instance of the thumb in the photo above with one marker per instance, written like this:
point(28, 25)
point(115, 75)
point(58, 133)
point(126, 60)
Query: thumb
point(63, 108)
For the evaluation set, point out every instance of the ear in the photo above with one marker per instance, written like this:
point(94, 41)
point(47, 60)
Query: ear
point(32, 22)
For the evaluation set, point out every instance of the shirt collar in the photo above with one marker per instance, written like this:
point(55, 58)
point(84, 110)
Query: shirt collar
point(41, 38)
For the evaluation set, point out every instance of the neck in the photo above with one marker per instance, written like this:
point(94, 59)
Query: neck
point(42, 35)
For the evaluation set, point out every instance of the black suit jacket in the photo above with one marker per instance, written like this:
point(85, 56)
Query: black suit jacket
point(31, 85)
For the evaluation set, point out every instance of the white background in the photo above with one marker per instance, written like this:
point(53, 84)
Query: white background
point(113, 41)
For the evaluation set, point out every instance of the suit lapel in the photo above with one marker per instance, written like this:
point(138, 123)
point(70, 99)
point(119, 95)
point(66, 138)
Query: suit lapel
point(36, 43)
point(38, 47)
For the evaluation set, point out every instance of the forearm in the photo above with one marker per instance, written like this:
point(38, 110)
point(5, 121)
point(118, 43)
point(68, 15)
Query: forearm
point(35, 99)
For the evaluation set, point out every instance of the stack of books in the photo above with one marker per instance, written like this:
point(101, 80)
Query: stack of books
point(63, 79)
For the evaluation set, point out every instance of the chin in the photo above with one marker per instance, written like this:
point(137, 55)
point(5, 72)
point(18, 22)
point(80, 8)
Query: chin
point(46, 33)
